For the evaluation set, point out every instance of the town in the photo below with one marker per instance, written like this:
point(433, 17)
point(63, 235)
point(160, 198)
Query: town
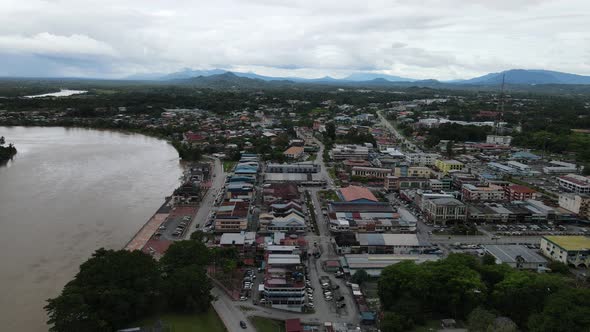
point(316, 199)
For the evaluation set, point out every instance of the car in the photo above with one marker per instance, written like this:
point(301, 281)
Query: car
point(162, 227)
point(309, 297)
point(341, 305)
point(243, 324)
point(243, 298)
point(336, 287)
point(310, 304)
point(262, 301)
point(341, 298)
point(329, 298)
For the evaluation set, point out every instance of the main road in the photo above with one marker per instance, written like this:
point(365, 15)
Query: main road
point(208, 202)
point(411, 146)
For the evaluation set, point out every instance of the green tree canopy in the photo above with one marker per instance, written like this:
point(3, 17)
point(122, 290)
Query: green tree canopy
point(111, 289)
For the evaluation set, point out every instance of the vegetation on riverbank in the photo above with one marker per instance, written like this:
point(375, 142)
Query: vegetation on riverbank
point(115, 288)
point(6, 152)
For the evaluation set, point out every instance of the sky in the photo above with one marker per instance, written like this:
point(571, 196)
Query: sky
point(438, 39)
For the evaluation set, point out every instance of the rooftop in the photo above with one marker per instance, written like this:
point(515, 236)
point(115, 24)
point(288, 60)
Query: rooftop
point(372, 239)
point(508, 253)
point(570, 243)
point(353, 193)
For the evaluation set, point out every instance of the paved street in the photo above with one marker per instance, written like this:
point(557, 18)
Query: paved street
point(398, 135)
point(208, 202)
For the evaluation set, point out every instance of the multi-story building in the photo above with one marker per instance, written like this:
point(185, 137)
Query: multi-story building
point(436, 185)
point(292, 223)
point(499, 140)
point(294, 152)
point(422, 159)
point(516, 192)
point(578, 204)
point(441, 210)
point(575, 183)
point(235, 225)
point(574, 250)
point(349, 151)
point(414, 171)
point(459, 179)
point(486, 193)
point(446, 166)
point(284, 282)
point(371, 172)
point(305, 167)
point(396, 183)
point(559, 167)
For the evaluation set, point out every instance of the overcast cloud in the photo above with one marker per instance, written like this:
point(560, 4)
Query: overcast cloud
point(420, 39)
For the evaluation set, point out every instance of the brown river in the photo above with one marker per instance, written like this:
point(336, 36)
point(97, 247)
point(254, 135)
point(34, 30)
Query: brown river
point(65, 194)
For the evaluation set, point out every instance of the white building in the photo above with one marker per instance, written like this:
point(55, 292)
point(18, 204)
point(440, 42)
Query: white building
point(499, 140)
point(422, 159)
point(574, 183)
point(350, 151)
point(560, 167)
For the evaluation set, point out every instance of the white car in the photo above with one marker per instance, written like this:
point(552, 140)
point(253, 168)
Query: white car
point(243, 298)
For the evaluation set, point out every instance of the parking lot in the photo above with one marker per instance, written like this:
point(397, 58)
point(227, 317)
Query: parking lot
point(533, 229)
point(174, 227)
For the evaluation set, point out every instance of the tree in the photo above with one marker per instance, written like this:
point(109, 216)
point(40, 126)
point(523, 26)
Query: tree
point(331, 130)
point(187, 289)
point(567, 310)
point(559, 267)
point(523, 293)
point(112, 289)
point(480, 320)
point(488, 259)
point(184, 253)
point(393, 322)
point(2, 140)
point(450, 151)
point(360, 277)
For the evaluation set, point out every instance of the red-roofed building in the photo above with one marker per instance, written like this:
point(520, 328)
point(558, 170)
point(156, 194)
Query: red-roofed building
point(357, 194)
point(194, 137)
point(293, 325)
point(517, 192)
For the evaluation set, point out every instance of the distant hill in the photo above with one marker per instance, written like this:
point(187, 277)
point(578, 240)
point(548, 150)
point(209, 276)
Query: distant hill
point(528, 76)
point(359, 77)
point(513, 77)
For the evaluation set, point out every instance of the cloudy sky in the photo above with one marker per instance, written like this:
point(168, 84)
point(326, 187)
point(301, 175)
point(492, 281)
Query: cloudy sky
point(441, 39)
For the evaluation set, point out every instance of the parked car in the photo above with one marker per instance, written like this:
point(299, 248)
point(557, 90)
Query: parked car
point(341, 298)
point(242, 324)
point(341, 305)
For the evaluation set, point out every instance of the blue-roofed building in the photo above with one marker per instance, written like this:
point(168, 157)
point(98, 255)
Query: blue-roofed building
point(239, 178)
point(524, 155)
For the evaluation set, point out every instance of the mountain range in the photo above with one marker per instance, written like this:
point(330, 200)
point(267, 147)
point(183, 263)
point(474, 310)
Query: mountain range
point(512, 76)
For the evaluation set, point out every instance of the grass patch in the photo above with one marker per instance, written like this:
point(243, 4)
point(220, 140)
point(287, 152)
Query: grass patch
point(228, 165)
point(328, 195)
point(205, 322)
point(267, 325)
point(431, 325)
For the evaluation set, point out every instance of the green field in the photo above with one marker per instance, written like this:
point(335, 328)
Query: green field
point(207, 322)
point(267, 325)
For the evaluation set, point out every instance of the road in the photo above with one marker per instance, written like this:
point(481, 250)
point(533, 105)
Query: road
point(229, 312)
point(208, 202)
point(411, 146)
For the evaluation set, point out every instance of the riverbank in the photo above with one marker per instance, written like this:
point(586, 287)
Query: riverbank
point(174, 220)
